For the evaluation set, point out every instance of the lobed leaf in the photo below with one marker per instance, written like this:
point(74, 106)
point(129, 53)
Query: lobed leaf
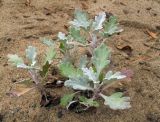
point(90, 74)
point(111, 76)
point(68, 70)
point(50, 55)
point(31, 54)
point(48, 42)
point(111, 26)
point(100, 58)
point(16, 61)
point(78, 84)
point(98, 23)
point(80, 19)
point(75, 33)
point(88, 102)
point(117, 101)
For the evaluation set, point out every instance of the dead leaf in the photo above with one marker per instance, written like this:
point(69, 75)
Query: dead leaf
point(19, 92)
point(25, 82)
point(152, 34)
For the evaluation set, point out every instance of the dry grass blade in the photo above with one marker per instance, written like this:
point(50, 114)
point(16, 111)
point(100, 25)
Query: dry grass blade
point(152, 34)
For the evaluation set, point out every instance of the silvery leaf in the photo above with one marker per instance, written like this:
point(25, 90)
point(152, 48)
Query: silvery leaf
point(50, 55)
point(16, 61)
point(23, 66)
point(31, 54)
point(117, 101)
point(111, 26)
point(80, 19)
point(78, 84)
point(62, 36)
point(98, 24)
point(68, 70)
point(110, 75)
point(91, 74)
point(100, 58)
point(46, 41)
point(76, 35)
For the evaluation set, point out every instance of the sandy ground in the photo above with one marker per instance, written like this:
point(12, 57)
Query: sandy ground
point(22, 25)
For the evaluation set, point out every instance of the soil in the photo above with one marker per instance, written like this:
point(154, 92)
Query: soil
point(135, 49)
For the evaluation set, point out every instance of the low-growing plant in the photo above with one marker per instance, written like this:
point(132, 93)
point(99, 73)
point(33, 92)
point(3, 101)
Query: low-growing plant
point(89, 76)
point(37, 72)
point(85, 32)
point(90, 33)
point(95, 80)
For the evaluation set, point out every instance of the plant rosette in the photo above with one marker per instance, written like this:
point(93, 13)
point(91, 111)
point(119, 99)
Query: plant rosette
point(93, 79)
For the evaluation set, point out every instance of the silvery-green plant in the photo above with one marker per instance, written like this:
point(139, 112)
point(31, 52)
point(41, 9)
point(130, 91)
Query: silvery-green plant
point(93, 79)
point(38, 72)
point(87, 32)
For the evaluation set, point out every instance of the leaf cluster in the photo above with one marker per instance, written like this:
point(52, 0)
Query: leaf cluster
point(89, 75)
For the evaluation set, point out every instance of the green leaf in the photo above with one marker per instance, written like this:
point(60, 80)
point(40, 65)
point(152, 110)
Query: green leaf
point(98, 23)
point(88, 102)
point(16, 61)
point(75, 33)
point(78, 84)
point(45, 69)
point(68, 70)
point(46, 41)
point(80, 19)
point(31, 54)
point(100, 58)
point(66, 99)
point(117, 101)
point(111, 26)
point(50, 55)
point(63, 47)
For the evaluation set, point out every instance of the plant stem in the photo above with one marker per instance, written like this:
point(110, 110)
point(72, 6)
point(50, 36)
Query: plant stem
point(39, 86)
